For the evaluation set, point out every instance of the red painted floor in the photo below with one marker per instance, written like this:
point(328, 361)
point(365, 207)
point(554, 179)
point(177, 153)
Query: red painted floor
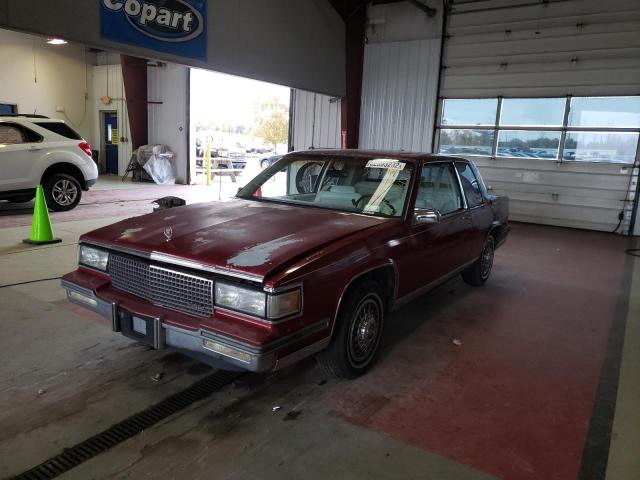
point(515, 399)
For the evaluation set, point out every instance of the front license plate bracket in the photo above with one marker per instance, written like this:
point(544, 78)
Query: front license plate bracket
point(144, 329)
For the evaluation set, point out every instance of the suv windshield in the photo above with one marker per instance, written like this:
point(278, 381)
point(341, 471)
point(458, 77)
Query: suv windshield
point(375, 186)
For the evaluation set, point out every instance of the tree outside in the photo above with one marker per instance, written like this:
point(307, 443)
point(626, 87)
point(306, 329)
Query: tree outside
point(271, 121)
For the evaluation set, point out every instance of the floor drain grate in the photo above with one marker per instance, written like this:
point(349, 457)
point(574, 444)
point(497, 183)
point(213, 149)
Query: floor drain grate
point(83, 451)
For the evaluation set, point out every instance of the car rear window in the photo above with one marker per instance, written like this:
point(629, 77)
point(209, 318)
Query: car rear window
point(61, 129)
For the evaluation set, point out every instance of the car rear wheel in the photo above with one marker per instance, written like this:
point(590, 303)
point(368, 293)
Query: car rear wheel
point(478, 273)
point(62, 191)
point(357, 333)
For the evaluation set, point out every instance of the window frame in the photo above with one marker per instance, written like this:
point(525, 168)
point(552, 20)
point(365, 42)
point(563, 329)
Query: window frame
point(478, 182)
point(563, 129)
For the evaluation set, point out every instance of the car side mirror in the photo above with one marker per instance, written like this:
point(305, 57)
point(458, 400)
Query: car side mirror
point(422, 216)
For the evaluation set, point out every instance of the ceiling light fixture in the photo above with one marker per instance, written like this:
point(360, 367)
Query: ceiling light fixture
point(56, 41)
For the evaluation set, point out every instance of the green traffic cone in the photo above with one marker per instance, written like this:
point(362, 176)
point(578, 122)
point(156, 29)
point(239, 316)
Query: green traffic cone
point(41, 231)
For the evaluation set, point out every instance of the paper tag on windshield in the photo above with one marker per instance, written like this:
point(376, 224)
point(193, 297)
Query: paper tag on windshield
point(387, 164)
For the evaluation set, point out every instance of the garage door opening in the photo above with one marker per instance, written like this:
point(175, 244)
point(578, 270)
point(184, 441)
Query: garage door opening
point(244, 123)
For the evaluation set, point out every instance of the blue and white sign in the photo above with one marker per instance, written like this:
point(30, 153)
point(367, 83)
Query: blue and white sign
point(178, 27)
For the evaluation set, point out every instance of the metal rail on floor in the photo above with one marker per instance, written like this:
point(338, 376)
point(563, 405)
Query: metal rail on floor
point(83, 451)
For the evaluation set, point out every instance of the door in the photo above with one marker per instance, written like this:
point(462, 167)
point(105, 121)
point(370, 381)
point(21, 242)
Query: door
point(20, 149)
point(110, 140)
point(437, 249)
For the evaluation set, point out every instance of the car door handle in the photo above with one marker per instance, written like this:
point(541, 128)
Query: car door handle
point(34, 149)
point(466, 216)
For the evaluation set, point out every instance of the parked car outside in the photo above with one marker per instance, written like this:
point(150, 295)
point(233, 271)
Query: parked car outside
point(238, 161)
point(36, 150)
point(310, 258)
point(268, 161)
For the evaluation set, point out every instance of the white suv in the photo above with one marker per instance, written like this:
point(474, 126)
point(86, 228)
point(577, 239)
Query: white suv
point(38, 150)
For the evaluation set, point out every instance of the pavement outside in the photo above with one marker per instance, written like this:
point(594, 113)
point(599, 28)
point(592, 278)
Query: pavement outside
point(542, 381)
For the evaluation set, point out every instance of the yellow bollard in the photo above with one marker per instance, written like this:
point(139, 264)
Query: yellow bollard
point(207, 156)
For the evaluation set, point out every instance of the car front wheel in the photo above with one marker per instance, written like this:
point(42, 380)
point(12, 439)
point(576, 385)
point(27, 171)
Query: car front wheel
point(478, 273)
point(63, 192)
point(357, 333)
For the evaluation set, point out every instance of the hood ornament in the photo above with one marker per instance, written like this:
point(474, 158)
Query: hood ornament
point(168, 233)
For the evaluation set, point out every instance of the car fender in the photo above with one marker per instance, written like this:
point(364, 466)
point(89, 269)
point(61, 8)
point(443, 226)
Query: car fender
point(57, 156)
point(357, 276)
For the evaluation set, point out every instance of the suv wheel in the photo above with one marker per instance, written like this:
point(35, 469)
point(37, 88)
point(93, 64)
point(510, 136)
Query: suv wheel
point(357, 333)
point(62, 191)
point(479, 272)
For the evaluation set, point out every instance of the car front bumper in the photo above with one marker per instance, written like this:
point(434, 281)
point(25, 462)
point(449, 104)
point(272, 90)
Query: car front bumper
point(204, 345)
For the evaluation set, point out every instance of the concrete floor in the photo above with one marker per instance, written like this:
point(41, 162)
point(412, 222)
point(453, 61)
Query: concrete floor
point(545, 383)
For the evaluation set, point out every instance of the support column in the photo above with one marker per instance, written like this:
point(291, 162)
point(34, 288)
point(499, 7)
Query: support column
point(350, 105)
point(134, 74)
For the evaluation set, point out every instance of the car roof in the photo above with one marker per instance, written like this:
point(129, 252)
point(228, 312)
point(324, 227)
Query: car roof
point(413, 157)
point(33, 118)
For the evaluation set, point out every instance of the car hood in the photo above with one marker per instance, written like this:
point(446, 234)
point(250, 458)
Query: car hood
point(239, 236)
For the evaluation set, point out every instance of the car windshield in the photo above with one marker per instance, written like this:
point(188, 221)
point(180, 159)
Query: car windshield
point(369, 186)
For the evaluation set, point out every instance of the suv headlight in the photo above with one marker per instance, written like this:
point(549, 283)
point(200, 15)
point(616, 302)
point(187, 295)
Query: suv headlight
point(257, 303)
point(94, 257)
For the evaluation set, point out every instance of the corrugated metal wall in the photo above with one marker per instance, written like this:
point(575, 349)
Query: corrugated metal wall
point(168, 121)
point(557, 48)
point(316, 121)
point(399, 93)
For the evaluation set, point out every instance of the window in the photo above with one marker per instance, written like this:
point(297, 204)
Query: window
point(439, 189)
point(61, 129)
point(470, 185)
point(472, 112)
point(528, 144)
point(584, 129)
point(12, 134)
point(613, 147)
point(605, 112)
point(535, 112)
point(466, 141)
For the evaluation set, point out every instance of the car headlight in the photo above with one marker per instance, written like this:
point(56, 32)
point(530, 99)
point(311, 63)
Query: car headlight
point(284, 304)
point(246, 300)
point(256, 302)
point(94, 258)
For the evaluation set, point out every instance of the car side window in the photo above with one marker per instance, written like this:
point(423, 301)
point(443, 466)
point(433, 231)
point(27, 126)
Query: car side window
point(439, 189)
point(11, 135)
point(470, 184)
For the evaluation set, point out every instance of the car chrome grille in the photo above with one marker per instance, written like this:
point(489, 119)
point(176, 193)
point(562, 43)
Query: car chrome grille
point(161, 286)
